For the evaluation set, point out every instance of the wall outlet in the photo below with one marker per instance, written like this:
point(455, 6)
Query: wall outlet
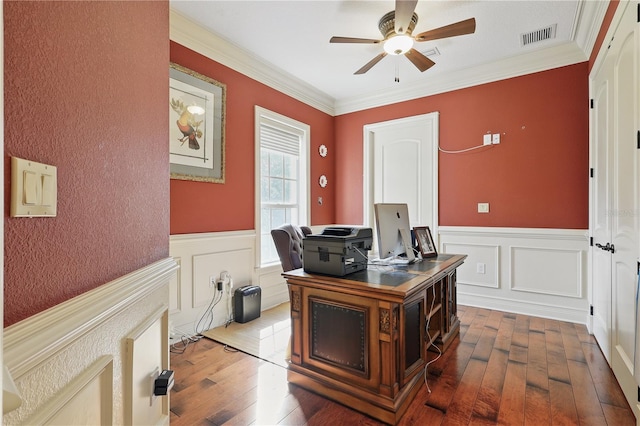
point(212, 281)
point(480, 268)
point(486, 139)
point(483, 207)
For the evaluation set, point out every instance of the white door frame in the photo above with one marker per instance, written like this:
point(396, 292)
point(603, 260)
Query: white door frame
point(368, 152)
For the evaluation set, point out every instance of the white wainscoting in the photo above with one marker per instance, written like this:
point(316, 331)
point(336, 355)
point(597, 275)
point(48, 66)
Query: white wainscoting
point(203, 257)
point(69, 362)
point(206, 255)
point(540, 272)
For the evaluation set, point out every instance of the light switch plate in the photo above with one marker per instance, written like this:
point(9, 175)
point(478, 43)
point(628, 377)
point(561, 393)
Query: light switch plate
point(34, 189)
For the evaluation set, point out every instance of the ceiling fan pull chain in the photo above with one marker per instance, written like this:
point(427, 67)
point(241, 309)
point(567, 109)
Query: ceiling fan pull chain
point(397, 71)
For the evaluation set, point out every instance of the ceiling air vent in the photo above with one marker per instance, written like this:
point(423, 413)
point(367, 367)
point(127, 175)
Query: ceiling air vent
point(538, 35)
point(431, 52)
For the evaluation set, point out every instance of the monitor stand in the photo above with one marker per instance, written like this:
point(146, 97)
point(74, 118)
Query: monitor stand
point(406, 242)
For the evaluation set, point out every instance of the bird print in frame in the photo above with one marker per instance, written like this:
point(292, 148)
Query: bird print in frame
point(196, 126)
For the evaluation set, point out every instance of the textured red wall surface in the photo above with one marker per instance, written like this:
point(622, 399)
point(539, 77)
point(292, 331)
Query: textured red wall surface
point(209, 207)
point(86, 86)
point(537, 177)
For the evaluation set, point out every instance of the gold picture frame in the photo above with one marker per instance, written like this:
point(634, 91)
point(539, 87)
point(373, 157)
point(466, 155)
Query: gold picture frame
point(425, 241)
point(197, 106)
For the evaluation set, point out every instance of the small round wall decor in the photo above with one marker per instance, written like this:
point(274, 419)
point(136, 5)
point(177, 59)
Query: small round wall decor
point(322, 150)
point(323, 181)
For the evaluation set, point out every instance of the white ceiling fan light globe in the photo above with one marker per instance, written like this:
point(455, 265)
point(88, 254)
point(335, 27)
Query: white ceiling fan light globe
point(398, 45)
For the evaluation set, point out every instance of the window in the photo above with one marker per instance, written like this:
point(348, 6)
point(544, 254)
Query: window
point(282, 166)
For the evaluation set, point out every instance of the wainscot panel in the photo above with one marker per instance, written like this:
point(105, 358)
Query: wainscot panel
point(541, 272)
point(195, 304)
point(72, 355)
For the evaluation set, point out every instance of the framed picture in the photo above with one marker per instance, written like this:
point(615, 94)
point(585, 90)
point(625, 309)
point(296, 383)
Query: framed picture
point(425, 241)
point(196, 126)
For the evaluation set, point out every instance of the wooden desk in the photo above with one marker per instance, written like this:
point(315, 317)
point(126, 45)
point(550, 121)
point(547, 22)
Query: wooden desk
point(361, 339)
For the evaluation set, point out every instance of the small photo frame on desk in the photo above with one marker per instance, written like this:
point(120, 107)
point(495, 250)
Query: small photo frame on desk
point(425, 241)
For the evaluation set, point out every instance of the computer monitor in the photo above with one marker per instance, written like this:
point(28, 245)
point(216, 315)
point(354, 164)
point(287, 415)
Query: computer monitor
point(394, 230)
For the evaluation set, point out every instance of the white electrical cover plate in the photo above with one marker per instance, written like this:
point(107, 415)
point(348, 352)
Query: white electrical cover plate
point(34, 189)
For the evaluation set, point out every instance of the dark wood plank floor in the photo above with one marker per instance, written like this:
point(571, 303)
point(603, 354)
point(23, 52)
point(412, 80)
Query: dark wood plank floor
point(504, 369)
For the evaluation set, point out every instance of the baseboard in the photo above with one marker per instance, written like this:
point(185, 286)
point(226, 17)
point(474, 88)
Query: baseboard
point(560, 313)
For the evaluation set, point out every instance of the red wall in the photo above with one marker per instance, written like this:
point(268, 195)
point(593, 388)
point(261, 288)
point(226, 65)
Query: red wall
point(208, 207)
point(537, 177)
point(86, 91)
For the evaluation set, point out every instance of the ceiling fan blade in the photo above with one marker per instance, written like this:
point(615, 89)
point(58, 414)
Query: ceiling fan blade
point(371, 63)
point(419, 60)
point(336, 39)
point(467, 26)
point(404, 12)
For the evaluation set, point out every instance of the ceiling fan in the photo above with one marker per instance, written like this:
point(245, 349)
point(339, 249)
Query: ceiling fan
point(397, 26)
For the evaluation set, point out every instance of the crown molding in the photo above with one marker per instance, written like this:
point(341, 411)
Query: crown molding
point(588, 21)
point(189, 34)
point(589, 17)
point(613, 26)
point(553, 57)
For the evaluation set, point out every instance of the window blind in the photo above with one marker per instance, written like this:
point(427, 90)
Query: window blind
point(279, 140)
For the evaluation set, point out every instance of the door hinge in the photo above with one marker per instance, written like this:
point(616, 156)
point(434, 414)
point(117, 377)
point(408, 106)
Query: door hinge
point(638, 137)
point(591, 310)
point(638, 21)
point(591, 172)
point(591, 241)
point(591, 103)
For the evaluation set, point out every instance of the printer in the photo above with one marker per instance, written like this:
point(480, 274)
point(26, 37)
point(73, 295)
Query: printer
point(337, 251)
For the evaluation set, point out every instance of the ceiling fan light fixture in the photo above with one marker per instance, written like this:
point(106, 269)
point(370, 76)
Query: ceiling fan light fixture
point(398, 45)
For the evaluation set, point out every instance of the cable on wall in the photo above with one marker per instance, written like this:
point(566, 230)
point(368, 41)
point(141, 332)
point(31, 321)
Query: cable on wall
point(446, 151)
point(489, 140)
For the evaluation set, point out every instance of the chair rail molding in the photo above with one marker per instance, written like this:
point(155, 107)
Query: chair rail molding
point(25, 343)
point(69, 362)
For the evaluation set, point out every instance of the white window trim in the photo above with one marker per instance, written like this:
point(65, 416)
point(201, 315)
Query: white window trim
point(262, 114)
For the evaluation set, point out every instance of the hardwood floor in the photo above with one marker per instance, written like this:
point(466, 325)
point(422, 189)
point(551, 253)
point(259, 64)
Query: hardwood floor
point(505, 369)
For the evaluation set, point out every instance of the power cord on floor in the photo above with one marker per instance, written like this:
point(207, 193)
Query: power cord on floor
point(207, 315)
point(204, 323)
point(181, 346)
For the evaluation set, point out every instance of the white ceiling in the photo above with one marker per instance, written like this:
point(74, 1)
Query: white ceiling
point(289, 40)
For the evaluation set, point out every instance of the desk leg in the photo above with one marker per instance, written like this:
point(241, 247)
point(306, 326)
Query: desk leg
point(389, 349)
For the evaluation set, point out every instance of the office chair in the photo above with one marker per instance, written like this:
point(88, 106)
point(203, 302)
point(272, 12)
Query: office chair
point(288, 240)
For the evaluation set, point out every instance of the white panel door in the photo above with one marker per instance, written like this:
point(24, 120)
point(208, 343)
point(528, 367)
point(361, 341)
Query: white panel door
point(600, 217)
point(616, 225)
point(401, 166)
point(624, 211)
